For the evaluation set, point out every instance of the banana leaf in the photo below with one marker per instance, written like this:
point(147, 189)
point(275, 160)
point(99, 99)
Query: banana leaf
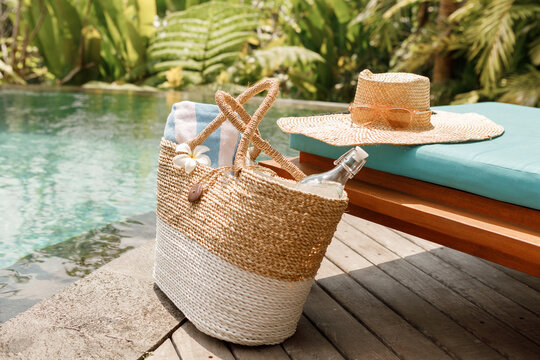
point(204, 39)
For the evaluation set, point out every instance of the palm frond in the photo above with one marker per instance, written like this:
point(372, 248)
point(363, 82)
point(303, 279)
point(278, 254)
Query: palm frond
point(470, 97)
point(222, 58)
point(187, 64)
point(417, 50)
point(492, 41)
point(372, 9)
point(400, 4)
point(524, 11)
point(385, 21)
point(176, 36)
point(286, 56)
point(523, 89)
point(469, 9)
point(534, 52)
point(205, 38)
point(172, 54)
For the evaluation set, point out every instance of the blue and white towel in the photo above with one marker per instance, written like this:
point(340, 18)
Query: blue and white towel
point(187, 119)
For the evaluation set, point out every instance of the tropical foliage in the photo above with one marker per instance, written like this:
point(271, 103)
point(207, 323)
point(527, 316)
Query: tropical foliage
point(203, 40)
point(473, 50)
point(224, 42)
point(490, 48)
point(327, 28)
point(19, 60)
point(126, 28)
point(68, 45)
point(80, 40)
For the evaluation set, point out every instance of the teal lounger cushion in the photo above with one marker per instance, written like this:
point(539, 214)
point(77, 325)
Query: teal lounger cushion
point(506, 168)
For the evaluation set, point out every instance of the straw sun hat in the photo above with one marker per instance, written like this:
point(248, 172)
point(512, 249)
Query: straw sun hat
point(392, 108)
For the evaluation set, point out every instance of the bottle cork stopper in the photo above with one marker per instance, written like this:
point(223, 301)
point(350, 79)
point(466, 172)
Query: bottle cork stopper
point(359, 154)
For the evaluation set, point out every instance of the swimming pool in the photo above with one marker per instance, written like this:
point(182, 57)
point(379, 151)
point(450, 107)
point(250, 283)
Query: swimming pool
point(71, 162)
point(71, 165)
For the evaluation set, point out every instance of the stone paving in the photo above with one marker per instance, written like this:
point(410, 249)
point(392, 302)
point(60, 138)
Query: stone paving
point(115, 312)
point(49, 270)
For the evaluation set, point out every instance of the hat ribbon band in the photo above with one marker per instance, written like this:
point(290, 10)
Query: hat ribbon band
point(387, 113)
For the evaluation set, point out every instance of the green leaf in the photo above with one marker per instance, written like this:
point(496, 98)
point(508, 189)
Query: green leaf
point(342, 9)
point(492, 40)
point(146, 12)
point(470, 97)
point(126, 27)
point(59, 36)
point(523, 89)
point(188, 64)
point(397, 7)
point(205, 38)
point(534, 52)
point(286, 56)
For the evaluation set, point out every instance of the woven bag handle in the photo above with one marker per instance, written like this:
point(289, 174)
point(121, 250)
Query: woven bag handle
point(268, 84)
point(229, 106)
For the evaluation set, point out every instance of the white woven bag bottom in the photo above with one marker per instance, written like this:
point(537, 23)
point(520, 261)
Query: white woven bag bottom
point(221, 299)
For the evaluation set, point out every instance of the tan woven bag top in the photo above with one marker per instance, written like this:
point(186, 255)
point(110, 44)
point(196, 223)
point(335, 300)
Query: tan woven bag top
point(258, 223)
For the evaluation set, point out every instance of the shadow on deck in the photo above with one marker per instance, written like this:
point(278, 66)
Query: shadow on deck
point(382, 294)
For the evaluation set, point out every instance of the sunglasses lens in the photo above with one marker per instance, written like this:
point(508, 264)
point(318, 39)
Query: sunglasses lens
point(363, 114)
point(399, 118)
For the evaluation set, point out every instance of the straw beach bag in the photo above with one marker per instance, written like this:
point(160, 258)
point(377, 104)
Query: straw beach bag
point(239, 260)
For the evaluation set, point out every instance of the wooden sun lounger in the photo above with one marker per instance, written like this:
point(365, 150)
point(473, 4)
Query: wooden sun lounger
point(496, 231)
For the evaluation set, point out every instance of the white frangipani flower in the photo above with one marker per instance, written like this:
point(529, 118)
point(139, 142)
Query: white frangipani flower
point(188, 159)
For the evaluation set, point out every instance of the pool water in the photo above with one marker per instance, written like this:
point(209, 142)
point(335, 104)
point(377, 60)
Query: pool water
point(71, 162)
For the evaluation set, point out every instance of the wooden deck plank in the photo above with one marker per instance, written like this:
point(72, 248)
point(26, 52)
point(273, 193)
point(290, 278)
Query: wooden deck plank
point(504, 309)
point(428, 245)
point(490, 276)
point(363, 243)
point(444, 331)
point(274, 352)
point(194, 345)
point(499, 306)
point(309, 344)
point(349, 336)
point(386, 237)
point(165, 351)
point(383, 294)
point(488, 328)
point(522, 288)
point(531, 281)
point(397, 333)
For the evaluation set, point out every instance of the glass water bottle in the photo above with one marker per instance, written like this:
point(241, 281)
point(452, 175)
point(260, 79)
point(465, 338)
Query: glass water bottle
point(331, 183)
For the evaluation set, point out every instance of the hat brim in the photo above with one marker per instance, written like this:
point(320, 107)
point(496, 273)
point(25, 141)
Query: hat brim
point(338, 130)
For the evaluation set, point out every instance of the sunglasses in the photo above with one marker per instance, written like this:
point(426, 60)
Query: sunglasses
point(395, 117)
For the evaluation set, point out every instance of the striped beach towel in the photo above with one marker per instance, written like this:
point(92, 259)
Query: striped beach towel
point(188, 118)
